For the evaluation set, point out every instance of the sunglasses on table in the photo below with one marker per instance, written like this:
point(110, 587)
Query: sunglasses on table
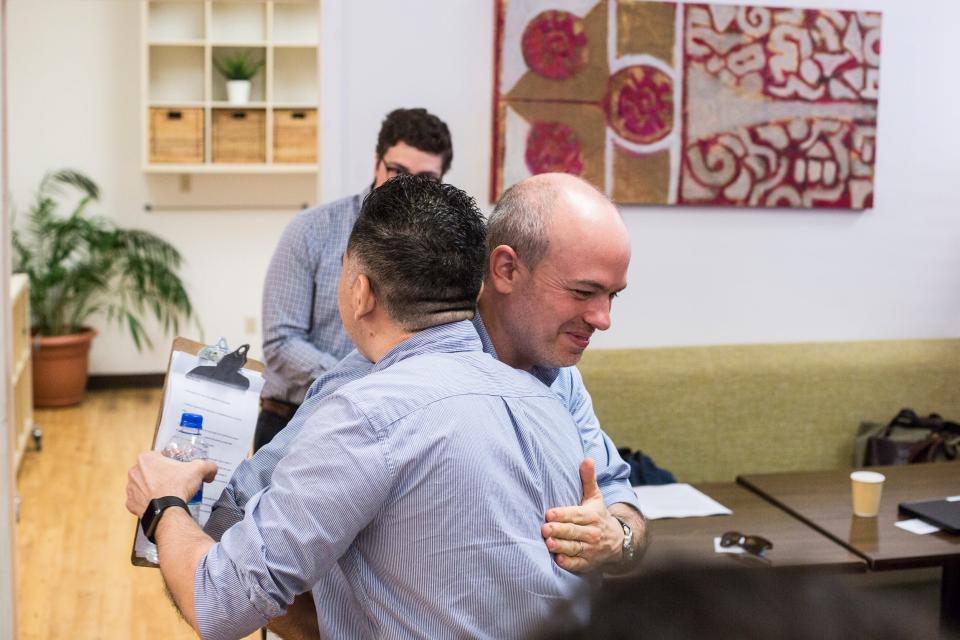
point(755, 545)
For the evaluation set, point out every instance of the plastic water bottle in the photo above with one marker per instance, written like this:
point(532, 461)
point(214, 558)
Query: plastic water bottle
point(185, 445)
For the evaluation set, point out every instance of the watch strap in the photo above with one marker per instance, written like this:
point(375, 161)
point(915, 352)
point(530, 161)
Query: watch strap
point(151, 517)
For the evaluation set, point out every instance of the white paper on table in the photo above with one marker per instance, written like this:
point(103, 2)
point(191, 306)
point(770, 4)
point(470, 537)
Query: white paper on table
point(229, 420)
point(917, 526)
point(678, 500)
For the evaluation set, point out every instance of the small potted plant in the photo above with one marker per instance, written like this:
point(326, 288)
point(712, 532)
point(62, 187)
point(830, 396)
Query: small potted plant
point(82, 266)
point(238, 68)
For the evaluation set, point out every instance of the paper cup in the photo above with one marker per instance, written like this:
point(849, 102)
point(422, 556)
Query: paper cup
point(867, 486)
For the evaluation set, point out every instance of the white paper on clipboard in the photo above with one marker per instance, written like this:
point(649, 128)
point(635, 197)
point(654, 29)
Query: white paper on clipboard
point(229, 420)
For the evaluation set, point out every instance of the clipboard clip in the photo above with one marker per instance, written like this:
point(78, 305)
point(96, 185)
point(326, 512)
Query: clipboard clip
point(226, 371)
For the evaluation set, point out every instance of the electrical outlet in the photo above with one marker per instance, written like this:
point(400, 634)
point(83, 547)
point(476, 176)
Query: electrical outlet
point(250, 325)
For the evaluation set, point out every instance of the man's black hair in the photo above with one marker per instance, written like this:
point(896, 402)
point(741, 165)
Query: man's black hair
point(422, 245)
point(418, 128)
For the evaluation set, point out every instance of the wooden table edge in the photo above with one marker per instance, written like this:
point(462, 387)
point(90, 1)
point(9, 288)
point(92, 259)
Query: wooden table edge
point(853, 564)
point(742, 481)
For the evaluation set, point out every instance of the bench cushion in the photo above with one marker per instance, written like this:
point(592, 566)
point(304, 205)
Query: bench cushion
point(711, 413)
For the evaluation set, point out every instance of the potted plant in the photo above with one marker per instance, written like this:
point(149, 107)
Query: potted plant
point(82, 266)
point(238, 68)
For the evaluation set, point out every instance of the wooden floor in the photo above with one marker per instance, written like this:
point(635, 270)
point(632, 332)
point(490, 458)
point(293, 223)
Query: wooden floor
point(75, 580)
point(74, 574)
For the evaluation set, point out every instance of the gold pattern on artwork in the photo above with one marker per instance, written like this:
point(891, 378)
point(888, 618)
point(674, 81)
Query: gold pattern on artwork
point(587, 122)
point(641, 179)
point(646, 27)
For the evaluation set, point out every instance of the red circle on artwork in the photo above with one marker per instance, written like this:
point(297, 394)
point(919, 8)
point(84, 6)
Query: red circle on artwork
point(553, 146)
point(555, 45)
point(640, 103)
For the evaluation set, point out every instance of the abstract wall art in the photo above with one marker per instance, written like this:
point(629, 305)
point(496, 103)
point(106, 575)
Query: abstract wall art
point(689, 104)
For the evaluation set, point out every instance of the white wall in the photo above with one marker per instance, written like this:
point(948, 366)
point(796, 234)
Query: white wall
point(710, 276)
point(699, 276)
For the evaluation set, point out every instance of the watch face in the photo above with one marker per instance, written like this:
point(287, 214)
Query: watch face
point(628, 548)
point(151, 516)
point(146, 523)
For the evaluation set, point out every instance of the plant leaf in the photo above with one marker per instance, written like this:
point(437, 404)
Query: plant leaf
point(80, 265)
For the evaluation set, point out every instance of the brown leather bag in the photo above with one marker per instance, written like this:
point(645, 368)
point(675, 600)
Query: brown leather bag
point(909, 439)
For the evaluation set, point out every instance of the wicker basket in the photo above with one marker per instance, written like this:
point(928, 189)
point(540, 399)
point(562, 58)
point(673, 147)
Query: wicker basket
point(239, 135)
point(295, 135)
point(176, 135)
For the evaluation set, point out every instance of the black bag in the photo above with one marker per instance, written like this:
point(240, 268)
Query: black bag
point(643, 470)
point(907, 439)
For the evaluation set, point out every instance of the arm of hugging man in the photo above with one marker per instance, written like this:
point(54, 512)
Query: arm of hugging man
point(180, 541)
point(590, 537)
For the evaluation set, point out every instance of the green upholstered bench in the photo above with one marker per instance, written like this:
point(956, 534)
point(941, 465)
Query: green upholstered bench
point(711, 413)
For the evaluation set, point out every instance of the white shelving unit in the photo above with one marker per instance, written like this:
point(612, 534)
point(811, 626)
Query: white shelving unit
point(20, 392)
point(181, 39)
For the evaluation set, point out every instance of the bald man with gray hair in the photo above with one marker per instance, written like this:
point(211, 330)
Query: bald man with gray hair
point(558, 253)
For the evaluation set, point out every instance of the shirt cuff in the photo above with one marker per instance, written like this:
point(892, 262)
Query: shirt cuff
point(222, 518)
point(224, 606)
point(615, 494)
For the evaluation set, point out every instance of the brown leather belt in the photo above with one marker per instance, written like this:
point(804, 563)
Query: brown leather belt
point(279, 407)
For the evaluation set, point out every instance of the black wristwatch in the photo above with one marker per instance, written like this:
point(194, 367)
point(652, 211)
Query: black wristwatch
point(151, 517)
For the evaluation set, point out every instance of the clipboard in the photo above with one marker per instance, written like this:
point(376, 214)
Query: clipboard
point(221, 387)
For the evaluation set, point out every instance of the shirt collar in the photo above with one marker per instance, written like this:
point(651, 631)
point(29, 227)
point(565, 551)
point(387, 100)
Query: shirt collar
point(452, 337)
point(546, 375)
point(360, 198)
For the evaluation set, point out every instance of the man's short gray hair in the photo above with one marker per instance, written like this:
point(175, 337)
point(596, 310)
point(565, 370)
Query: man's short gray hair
point(520, 221)
point(522, 215)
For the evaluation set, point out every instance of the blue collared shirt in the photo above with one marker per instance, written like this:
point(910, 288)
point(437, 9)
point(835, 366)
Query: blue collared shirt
point(426, 482)
point(303, 336)
point(252, 475)
point(613, 474)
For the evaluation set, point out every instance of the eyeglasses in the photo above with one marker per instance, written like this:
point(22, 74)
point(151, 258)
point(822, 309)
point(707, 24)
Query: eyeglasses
point(756, 545)
point(393, 170)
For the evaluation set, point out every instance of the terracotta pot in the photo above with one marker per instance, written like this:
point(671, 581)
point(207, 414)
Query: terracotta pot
point(60, 368)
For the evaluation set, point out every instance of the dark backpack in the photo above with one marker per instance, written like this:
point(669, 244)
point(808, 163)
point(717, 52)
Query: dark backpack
point(643, 470)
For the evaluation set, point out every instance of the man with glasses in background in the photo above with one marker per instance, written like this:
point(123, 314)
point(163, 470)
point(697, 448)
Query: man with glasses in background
point(303, 336)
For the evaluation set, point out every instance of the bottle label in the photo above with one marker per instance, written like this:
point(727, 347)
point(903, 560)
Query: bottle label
point(197, 497)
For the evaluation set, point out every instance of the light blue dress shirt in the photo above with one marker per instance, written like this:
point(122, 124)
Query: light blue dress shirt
point(425, 482)
point(252, 475)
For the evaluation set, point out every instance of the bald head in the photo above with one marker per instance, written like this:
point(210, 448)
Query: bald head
point(530, 213)
point(558, 254)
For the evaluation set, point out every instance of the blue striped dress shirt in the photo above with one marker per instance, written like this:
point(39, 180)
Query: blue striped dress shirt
point(425, 482)
point(252, 475)
point(303, 336)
